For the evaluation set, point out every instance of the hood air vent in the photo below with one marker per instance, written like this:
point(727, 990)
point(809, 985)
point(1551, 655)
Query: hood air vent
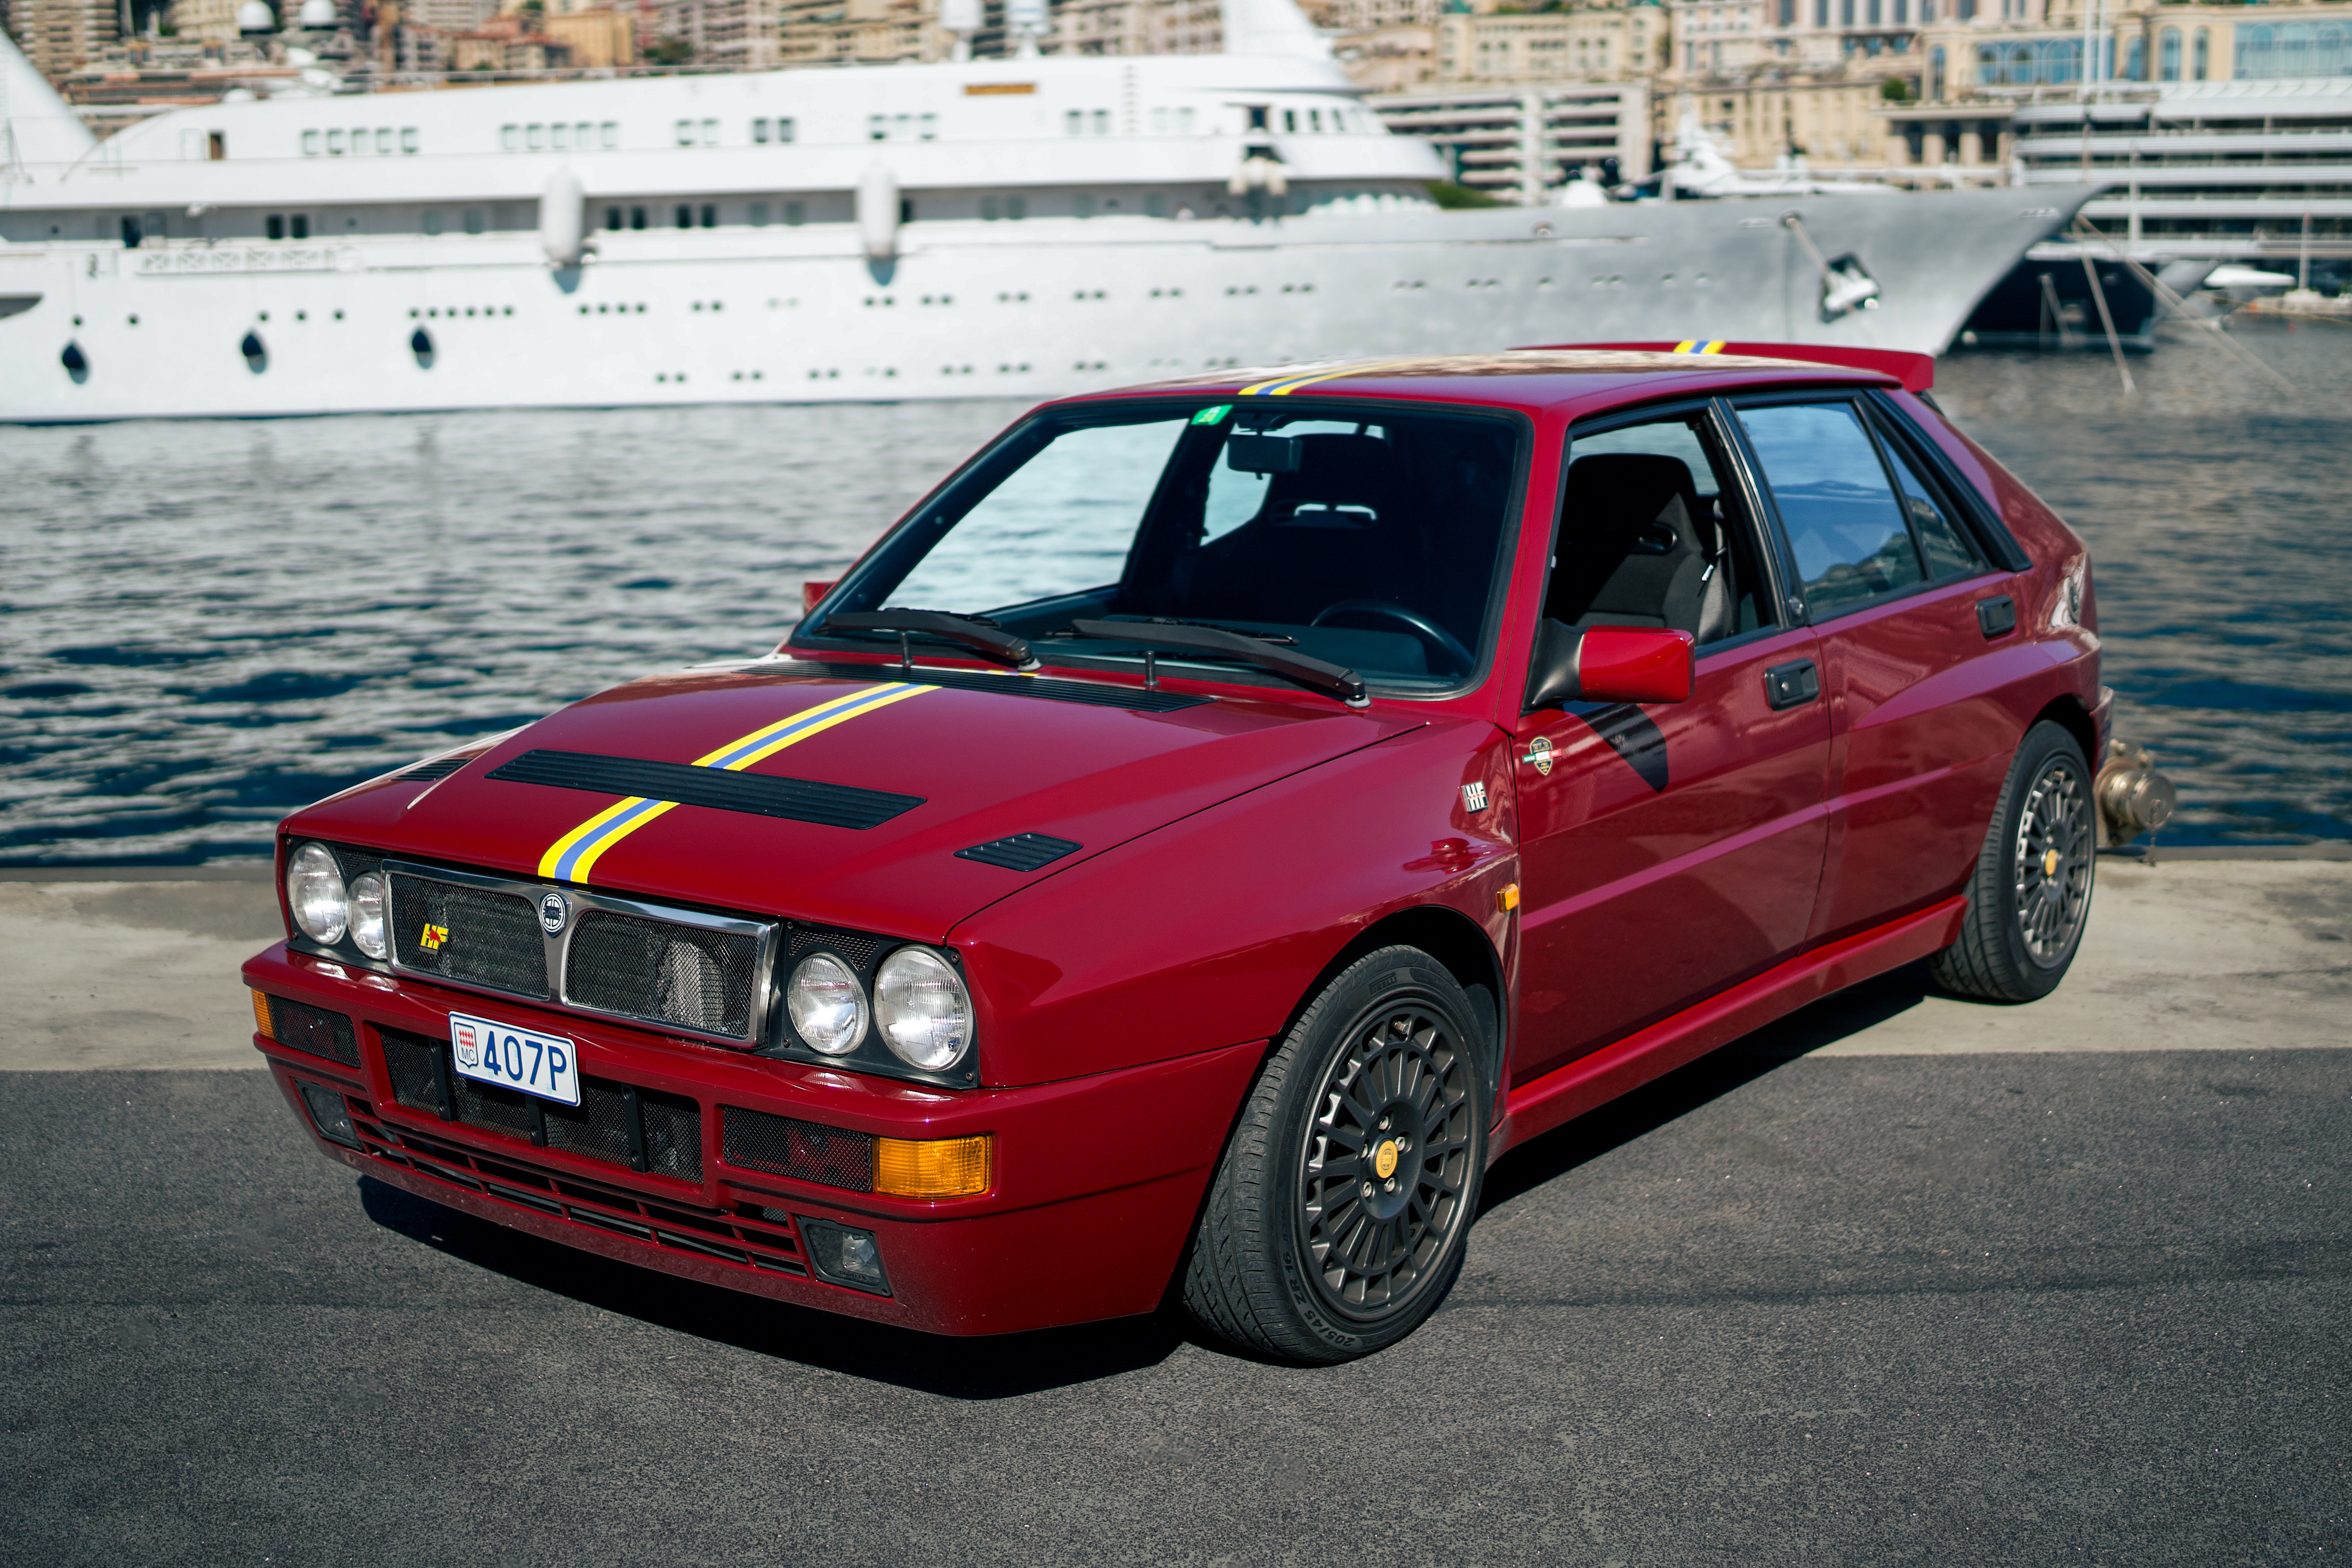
point(1022, 852)
point(439, 767)
point(758, 794)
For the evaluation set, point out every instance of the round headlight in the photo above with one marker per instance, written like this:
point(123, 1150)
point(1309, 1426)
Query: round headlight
point(827, 1005)
point(314, 890)
point(363, 911)
point(925, 1013)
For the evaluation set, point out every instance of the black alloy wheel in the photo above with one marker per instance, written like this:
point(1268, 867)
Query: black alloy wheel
point(1340, 1217)
point(2030, 898)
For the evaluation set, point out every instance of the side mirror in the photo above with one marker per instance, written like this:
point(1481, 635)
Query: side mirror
point(1609, 665)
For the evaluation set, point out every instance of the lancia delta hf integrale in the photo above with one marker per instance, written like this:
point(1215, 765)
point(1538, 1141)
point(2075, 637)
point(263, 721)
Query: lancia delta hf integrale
point(1223, 817)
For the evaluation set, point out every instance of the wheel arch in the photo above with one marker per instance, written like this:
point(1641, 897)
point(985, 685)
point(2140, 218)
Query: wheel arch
point(2068, 713)
point(1455, 941)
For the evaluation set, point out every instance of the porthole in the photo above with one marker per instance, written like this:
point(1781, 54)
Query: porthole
point(76, 362)
point(256, 352)
point(420, 343)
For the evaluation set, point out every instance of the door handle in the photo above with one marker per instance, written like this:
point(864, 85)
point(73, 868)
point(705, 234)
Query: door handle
point(1997, 616)
point(1792, 684)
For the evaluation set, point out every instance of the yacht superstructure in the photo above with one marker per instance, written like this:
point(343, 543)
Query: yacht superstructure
point(985, 228)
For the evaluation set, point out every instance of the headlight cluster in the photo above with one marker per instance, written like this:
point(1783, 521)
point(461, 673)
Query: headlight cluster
point(325, 909)
point(919, 1008)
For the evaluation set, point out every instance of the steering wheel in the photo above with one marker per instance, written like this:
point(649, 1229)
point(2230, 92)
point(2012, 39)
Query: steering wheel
point(1413, 621)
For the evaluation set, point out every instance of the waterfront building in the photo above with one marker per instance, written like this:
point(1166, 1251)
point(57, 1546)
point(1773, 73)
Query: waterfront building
point(63, 35)
point(1522, 145)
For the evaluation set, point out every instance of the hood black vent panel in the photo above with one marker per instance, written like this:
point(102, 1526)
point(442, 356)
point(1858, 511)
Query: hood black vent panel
point(1022, 852)
point(439, 767)
point(1138, 699)
point(757, 794)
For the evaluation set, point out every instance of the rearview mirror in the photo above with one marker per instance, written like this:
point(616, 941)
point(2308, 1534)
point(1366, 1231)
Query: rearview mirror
point(1262, 454)
point(1609, 665)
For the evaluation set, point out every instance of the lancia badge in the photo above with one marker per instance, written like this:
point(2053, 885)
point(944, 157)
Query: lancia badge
point(1474, 797)
point(1539, 753)
point(553, 911)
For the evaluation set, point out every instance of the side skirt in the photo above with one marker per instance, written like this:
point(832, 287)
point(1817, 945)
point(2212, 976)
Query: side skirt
point(1566, 1092)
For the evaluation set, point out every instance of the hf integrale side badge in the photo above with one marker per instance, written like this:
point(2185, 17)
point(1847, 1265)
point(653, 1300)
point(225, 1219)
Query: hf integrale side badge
point(1474, 797)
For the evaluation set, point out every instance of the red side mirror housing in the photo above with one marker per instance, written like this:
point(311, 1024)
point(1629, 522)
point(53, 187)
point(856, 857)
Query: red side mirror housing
point(1610, 664)
point(811, 591)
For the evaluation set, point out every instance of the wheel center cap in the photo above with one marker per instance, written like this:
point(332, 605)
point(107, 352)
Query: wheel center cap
point(2050, 862)
point(1384, 1159)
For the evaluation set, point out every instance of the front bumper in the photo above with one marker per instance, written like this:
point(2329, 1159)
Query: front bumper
point(1095, 1181)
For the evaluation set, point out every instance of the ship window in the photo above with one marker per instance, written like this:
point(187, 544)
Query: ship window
point(1016, 207)
point(432, 221)
point(1102, 122)
point(710, 133)
point(473, 221)
point(612, 218)
point(990, 209)
point(309, 144)
point(1155, 205)
point(931, 127)
point(760, 133)
point(686, 133)
point(131, 234)
point(510, 138)
point(334, 143)
point(559, 137)
point(1290, 120)
point(1314, 121)
point(758, 212)
point(1082, 205)
point(710, 215)
point(1184, 121)
point(384, 139)
point(794, 213)
point(1257, 110)
point(684, 216)
point(612, 133)
point(408, 139)
point(217, 141)
point(783, 129)
point(877, 126)
point(637, 217)
point(298, 226)
point(534, 137)
point(1074, 124)
point(1159, 120)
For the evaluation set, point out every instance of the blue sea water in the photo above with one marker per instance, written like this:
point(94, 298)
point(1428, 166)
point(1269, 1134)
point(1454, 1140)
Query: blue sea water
point(210, 623)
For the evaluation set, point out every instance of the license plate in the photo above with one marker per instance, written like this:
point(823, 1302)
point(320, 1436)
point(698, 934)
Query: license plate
point(547, 1065)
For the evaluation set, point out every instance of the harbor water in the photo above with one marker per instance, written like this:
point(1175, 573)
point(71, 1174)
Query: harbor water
point(208, 623)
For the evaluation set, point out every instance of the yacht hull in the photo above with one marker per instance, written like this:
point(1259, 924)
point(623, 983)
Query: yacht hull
point(964, 309)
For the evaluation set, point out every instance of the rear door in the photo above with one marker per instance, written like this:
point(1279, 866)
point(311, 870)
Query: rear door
point(1917, 640)
point(1667, 850)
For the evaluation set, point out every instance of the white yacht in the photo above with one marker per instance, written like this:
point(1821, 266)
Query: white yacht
point(1001, 227)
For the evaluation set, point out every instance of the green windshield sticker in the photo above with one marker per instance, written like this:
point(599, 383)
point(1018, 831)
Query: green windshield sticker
point(1214, 415)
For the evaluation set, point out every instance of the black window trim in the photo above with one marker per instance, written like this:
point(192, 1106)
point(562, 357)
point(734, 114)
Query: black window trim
point(1797, 599)
point(1776, 569)
point(1977, 513)
point(981, 467)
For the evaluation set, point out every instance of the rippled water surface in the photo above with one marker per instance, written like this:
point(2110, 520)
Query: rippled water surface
point(210, 623)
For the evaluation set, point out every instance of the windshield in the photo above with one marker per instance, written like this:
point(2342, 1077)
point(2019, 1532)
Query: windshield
point(1369, 538)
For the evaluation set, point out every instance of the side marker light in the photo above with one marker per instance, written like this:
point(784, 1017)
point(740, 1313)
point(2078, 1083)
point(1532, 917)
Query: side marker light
point(261, 1015)
point(931, 1167)
point(1508, 899)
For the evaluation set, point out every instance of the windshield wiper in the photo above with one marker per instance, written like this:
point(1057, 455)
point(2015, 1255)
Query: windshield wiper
point(975, 632)
point(1302, 668)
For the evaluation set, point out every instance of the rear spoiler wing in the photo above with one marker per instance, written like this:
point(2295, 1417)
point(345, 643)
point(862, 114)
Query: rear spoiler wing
point(1916, 372)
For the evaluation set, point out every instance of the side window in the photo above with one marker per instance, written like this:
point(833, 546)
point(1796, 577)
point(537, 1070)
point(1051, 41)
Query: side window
point(1650, 535)
point(1845, 525)
point(1941, 539)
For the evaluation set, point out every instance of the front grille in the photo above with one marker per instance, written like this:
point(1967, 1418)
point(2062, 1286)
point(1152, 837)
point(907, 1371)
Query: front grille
point(620, 1124)
point(662, 973)
point(716, 788)
point(830, 1155)
point(469, 935)
point(314, 1030)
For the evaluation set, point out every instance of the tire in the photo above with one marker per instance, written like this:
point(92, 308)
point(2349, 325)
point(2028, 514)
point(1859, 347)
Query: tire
point(1310, 1253)
point(2030, 896)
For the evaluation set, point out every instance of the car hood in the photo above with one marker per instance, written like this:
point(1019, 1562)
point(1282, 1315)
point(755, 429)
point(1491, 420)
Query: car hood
point(984, 758)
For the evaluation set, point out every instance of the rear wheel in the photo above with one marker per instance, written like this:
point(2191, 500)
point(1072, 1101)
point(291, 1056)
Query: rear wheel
point(2031, 896)
point(1341, 1215)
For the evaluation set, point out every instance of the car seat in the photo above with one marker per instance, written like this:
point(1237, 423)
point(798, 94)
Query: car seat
point(1640, 548)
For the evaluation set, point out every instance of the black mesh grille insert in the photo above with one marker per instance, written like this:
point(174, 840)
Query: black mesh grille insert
point(320, 1033)
point(663, 973)
point(1022, 852)
point(718, 788)
point(760, 1142)
point(672, 1134)
point(492, 1107)
point(859, 950)
point(598, 1126)
point(413, 1063)
point(469, 935)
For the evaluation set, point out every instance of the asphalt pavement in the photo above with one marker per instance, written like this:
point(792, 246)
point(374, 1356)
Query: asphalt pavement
point(1898, 1280)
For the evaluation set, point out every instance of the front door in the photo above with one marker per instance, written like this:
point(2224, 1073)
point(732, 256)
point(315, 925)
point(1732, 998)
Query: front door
point(1668, 850)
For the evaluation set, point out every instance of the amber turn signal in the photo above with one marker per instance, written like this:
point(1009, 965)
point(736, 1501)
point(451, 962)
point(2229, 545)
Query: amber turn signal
point(261, 1014)
point(1508, 899)
point(933, 1167)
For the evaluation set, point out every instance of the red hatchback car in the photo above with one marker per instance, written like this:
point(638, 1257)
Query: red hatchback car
point(1216, 823)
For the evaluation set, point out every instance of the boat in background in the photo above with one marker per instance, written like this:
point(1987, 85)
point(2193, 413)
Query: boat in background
point(1015, 227)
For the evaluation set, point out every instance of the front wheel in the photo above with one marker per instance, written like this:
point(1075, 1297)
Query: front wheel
point(2031, 896)
point(1338, 1218)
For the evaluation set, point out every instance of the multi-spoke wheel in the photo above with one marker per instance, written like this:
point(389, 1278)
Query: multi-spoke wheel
point(1338, 1218)
point(2031, 896)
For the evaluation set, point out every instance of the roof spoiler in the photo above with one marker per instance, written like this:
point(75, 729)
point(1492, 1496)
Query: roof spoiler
point(1916, 372)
